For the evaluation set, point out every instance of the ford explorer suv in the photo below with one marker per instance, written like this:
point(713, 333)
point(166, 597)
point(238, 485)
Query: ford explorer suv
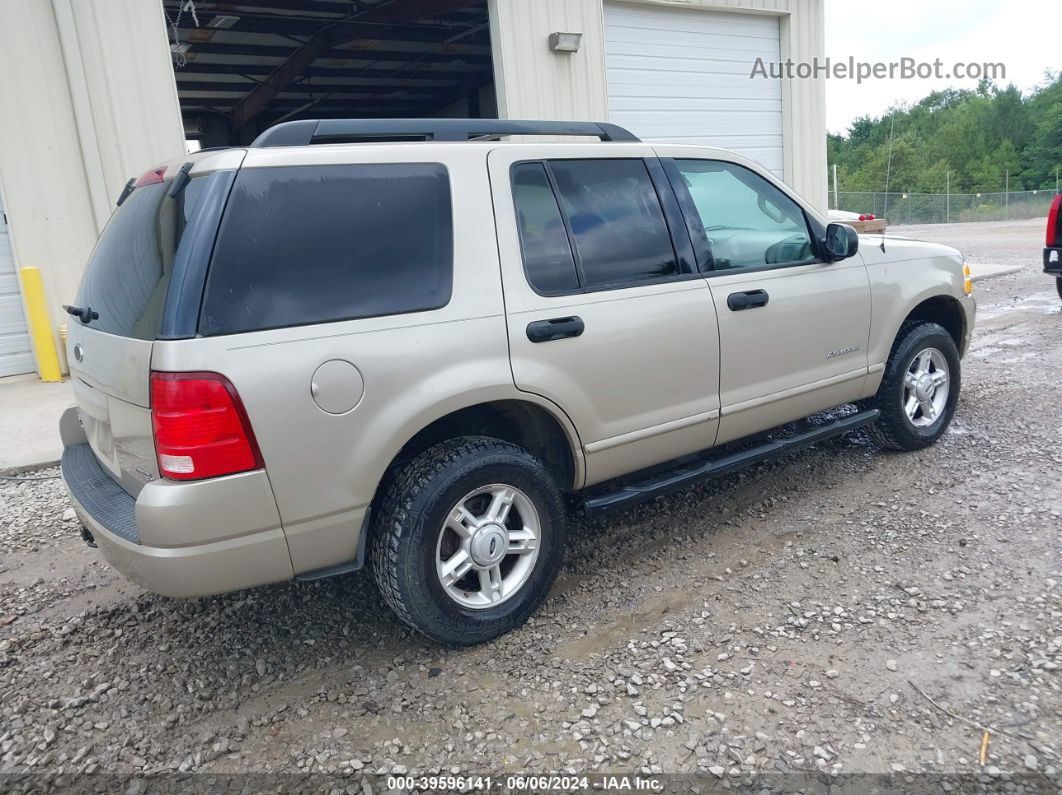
point(414, 345)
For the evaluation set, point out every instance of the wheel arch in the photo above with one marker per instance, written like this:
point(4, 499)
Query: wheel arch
point(943, 310)
point(523, 422)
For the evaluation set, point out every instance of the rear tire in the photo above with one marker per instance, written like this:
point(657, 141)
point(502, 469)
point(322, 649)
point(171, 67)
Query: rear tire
point(919, 390)
point(470, 538)
point(1058, 286)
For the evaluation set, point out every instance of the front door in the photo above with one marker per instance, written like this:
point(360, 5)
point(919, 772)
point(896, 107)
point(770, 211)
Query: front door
point(607, 316)
point(793, 329)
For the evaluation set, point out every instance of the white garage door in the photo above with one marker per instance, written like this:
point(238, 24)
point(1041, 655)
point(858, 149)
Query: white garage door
point(16, 356)
point(682, 75)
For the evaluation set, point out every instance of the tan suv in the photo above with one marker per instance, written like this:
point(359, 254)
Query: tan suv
point(404, 341)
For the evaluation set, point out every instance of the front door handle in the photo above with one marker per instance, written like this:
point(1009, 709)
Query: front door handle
point(750, 299)
point(555, 329)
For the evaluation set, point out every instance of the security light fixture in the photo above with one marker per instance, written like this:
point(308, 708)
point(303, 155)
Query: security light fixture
point(565, 42)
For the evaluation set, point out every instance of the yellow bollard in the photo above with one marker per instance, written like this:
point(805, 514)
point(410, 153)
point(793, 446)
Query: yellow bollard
point(39, 325)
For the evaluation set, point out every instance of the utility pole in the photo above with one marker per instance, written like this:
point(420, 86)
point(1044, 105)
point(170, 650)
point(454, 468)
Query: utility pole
point(947, 202)
point(836, 195)
point(1006, 197)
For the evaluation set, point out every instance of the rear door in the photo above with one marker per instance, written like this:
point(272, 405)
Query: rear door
point(793, 328)
point(606, 314)
point(125, 287)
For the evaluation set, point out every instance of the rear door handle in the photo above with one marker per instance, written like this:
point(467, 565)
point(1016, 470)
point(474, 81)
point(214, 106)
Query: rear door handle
point(750, 299)
point(555, 329)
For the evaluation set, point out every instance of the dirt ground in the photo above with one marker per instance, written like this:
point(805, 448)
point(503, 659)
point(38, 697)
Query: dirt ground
point(841, 612)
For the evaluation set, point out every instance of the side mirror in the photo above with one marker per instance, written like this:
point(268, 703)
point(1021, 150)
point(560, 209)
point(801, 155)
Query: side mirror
point(841, 242)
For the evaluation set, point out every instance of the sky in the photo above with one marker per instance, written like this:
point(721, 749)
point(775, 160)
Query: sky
point(1024, 35)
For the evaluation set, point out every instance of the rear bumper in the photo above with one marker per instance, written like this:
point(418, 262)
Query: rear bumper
point(1053, 261)
point(238, 545)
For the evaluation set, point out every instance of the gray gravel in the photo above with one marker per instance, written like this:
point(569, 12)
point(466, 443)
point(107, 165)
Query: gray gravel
point(840, 612)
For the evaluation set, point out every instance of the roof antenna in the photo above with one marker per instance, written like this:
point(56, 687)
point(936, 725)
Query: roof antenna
point(888, 171)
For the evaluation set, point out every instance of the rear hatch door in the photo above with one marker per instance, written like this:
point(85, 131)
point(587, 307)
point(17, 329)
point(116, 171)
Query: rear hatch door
point(123, 294)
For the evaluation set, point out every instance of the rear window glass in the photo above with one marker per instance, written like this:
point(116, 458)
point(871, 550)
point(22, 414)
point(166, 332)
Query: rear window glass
point(127, 275)
point(314, 244)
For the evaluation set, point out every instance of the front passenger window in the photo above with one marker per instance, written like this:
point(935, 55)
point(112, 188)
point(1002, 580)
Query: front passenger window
point(748, 221)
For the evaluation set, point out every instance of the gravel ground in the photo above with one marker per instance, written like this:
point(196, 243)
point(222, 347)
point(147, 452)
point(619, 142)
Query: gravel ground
point(840, 612)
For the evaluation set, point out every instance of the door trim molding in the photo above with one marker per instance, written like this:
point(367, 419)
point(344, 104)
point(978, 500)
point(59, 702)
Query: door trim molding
point(753, 403)
point(652, 430)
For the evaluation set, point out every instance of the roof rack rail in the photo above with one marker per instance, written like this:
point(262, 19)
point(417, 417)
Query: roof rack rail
point(335, 131)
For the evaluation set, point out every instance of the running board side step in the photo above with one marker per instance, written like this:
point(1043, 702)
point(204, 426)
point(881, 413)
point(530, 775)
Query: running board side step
point(655, 486)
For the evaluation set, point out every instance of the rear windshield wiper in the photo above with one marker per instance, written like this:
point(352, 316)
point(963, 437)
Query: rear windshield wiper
point(129, 186)
point(86, 315)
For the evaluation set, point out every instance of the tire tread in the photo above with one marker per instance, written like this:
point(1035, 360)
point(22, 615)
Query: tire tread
point(890, 432)
point(401, 507)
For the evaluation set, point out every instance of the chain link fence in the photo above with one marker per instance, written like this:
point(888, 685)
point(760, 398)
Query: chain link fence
point(944, 208)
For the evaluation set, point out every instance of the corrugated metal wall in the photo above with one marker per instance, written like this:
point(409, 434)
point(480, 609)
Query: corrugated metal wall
point(532, 82)
point(804, 101)
point(88, 99)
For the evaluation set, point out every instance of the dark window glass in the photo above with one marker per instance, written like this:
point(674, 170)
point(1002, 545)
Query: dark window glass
point(128, 273)
point(547, 254)
point(748, 221)
point(616, 220)
point(313, 244)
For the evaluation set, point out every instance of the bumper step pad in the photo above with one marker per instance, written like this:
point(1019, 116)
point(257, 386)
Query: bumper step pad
point(100, 497)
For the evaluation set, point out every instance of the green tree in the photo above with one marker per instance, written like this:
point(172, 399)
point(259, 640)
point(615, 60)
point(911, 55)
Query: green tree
point(978, 136)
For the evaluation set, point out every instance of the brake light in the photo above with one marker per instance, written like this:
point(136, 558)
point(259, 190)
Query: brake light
point(1052, 221)
point(201, 428)
point(151, 177)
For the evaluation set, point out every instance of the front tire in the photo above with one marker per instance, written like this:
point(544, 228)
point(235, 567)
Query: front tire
point(920, 388)
point(469, 540)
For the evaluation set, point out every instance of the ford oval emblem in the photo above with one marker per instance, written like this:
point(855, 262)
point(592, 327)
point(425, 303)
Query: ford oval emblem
point(79, 352)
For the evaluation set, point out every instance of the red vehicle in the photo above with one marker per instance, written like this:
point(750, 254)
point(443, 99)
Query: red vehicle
point(1053, 243)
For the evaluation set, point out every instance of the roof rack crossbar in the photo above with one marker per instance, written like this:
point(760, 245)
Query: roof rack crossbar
point(324, 131)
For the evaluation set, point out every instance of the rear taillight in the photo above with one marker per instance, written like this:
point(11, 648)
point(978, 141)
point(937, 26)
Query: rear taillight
point(1053, 226)
point(201, 428)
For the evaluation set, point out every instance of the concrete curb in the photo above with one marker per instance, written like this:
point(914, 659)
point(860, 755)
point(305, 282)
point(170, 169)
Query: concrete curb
point(980, 272)
point(22, 469)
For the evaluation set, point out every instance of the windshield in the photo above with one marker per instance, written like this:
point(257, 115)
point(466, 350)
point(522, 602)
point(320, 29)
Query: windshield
point(127, 276)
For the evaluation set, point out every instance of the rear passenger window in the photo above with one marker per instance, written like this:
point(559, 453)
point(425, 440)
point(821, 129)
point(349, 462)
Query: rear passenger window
point(615, 225)
point(616, 221)
point(547, 255)
point(313, 244)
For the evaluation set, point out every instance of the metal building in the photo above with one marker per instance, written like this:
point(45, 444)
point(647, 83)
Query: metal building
point(96, 92)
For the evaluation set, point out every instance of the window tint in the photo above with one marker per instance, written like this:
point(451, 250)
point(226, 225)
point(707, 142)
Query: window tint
point(312, 244)
point(128, 273)
point(748, 221)
point(616, 221)
point(547, 254)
